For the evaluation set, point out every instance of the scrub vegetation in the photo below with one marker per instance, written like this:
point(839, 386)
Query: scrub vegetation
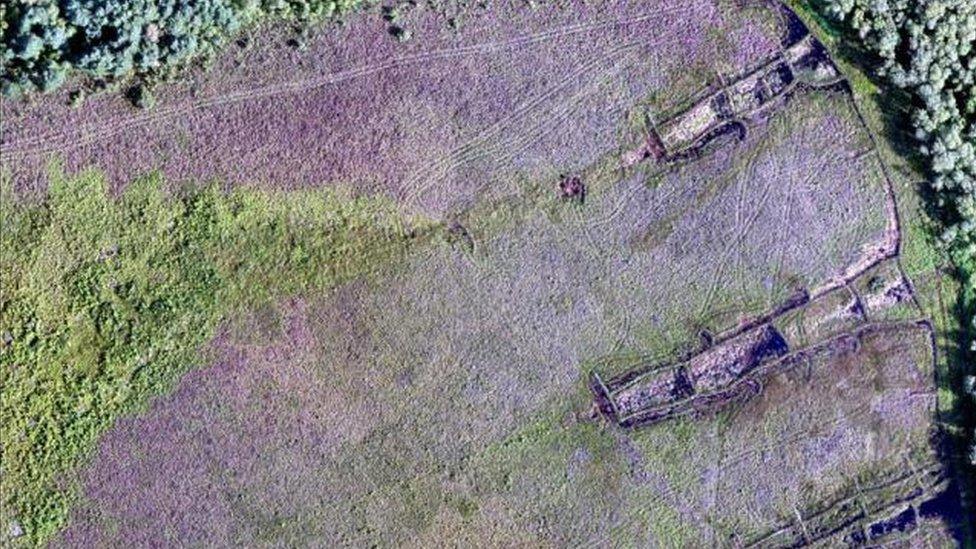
point(105, 301)
point(45, 41)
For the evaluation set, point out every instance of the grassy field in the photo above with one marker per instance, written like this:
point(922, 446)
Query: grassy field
point(940, 286)
point(226, 365)
point(436, 122)
point(450, 382)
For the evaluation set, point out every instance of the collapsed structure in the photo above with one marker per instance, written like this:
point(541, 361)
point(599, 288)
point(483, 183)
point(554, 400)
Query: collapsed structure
point(718, 374)
point(871, 298)
point(727, 108)
point(734, 367)
point(883, 512)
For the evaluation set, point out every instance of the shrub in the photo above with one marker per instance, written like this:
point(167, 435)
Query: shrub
point(45, 40)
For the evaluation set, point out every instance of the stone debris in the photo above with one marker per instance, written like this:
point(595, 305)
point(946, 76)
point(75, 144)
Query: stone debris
point(805, 61)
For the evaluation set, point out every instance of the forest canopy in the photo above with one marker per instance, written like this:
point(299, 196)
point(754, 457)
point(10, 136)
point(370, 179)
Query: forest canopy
point(46, 40)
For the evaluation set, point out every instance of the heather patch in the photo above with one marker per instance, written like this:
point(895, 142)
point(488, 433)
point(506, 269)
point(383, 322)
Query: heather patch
point(808, 448)
point(432, 122)
point(265, 420)
point(735, 477)
point(442, 394)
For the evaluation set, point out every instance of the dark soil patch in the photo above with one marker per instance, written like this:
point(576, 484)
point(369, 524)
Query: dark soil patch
point(572, 187)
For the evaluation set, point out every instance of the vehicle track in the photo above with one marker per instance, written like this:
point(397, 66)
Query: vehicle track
point(93, 133)
point(505, 150)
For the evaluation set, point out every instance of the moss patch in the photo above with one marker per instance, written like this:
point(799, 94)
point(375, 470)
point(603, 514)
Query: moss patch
point(105, 302)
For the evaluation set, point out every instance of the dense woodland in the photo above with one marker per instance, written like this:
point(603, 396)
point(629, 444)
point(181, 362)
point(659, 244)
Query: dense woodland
point(45, 40)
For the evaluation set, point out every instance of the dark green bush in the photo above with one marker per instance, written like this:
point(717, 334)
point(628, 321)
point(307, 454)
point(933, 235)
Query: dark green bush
point(45, 40)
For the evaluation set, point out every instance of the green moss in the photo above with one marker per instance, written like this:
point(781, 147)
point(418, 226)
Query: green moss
point(556, 474)
point(669, 528)
point(106, 300)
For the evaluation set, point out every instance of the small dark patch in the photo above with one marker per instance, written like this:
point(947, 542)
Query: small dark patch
point(682, 387)
point(901, 522)
point(855, 309)
point(109, 34)
point(875, 283)
point(458, 236)
point(818, 56)
point(796, 30)
point(945, 505)
point(771, 345)
point(778, 79)
point(761, 93)
point(141, 96)
point(898, 293)
point(602, 398)
point(855, 538)
point(723, 106)
point(572, 187)
point(655, 147)
point(76, 98)
point(400, 33)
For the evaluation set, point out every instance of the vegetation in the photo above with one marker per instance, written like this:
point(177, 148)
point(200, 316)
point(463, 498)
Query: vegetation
point(45, 40)
point(928, 48)
point(105, 301)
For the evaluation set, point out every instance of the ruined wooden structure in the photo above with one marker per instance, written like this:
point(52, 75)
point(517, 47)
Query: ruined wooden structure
point(884, 512)
point(718, 374)
point(724, 110)
point(733, 367)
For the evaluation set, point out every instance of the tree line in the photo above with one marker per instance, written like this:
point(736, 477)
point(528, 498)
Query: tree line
point(44, 41)
point(928, 48)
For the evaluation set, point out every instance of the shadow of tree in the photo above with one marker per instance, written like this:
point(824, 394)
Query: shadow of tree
point(957, 424)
